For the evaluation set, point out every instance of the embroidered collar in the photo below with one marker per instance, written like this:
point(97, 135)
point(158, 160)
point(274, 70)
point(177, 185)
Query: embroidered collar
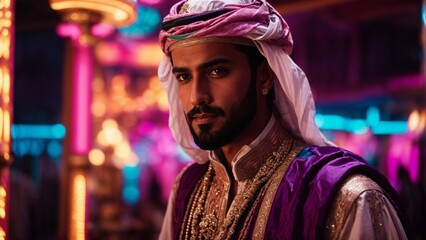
point(251, 157)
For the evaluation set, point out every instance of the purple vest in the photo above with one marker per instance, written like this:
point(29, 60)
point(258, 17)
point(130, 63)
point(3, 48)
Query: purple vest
point(304, 197)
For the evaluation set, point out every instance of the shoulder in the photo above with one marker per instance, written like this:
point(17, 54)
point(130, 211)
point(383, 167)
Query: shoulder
point(346, 197)
point(360, 208)
point(326, 152)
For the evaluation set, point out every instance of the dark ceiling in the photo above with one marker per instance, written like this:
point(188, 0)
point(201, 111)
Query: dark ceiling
point(351, 50)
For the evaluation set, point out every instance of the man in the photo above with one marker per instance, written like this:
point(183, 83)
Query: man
point(244, 112)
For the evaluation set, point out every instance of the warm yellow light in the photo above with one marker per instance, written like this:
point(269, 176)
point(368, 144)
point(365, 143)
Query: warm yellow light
point(116, 12)
point(6, 126)
point(417, 121)
point(120, 16)
point(1, 123)
point(2, 213)
point(130, 106)
point(123, 150)
point(4, 47)
point(163, 103)
point(118, 82)
point(98, 108)
point(119, 162)
point(108, 52)
point(2, 234)
point(109, 123)
point(2, 192)
point(140, 103)
point(6, 22)
point(78, 208)
point(96, 157)
point(149, 97)
point(413, 120)
point(1, 81)
point(6, 82)
point(2, 202)
point(109, 137)
point(98, 84)
point(154, 83)
point(132, 160)
point(422, 122)
point(6, 3)
point(149, 55)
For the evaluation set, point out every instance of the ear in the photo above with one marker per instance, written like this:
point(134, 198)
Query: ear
point(265, 76)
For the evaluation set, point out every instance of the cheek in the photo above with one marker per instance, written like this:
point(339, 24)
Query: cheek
point(184, 95)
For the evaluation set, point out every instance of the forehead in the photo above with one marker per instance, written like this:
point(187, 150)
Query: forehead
point(204, 52)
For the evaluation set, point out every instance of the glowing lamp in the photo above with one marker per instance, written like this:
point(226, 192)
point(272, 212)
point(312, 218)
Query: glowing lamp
point(114, 12)
point(417, 121)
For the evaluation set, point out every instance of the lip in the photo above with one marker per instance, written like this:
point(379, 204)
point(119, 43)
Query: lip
point(204, 118)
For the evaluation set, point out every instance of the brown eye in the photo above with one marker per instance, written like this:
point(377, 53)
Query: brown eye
point(218, 72)
point(184, 77)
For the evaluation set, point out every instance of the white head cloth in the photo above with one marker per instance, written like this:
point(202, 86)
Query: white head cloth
point(294, 103)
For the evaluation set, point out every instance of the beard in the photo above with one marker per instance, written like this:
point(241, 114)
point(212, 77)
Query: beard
point(236, 120)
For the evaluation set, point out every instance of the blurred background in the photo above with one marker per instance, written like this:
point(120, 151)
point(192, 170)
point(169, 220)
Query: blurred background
point(85, 148)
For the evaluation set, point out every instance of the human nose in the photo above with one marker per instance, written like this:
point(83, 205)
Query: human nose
point(199, 92)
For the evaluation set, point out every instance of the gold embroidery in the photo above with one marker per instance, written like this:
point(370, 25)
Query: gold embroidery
point(265, 208)
point(244, 200)
point(376, 203)
point(351, 189)
point(208, 217)
point(247, 221)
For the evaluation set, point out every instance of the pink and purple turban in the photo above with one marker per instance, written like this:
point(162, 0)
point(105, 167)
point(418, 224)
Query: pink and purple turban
point(245, 22)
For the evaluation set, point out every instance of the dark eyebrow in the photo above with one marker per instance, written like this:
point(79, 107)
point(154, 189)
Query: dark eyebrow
point(213, 62)
point(179, 69)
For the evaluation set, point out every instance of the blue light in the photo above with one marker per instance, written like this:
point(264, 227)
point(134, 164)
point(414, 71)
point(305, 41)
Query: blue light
point(58, 131)
point(131, 194)
point(54, 149)
point(373, 115)
point(390, 127)
point(360, 126)
point(319, 120)
point(332, 122)
point(36, 148)
point(131, 173)
point(357, 126)
point(20, 148)
point(423, 15)
point(42, 131)
point(148, 20)
point(182, 155)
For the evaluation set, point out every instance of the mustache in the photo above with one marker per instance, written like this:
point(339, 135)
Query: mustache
point(204, 109)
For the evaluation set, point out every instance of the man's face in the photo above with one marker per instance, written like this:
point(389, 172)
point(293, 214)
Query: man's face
point(217, 92)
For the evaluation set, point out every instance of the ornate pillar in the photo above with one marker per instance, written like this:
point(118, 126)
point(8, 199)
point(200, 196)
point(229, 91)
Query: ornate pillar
point(83, 14)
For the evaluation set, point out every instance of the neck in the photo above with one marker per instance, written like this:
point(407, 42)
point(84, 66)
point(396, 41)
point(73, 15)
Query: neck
point(251, 132)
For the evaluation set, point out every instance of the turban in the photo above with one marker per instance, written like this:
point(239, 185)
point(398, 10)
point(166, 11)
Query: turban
point(192, 21)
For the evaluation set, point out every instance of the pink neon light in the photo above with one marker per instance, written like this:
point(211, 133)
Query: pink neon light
point(402, 152)
point(102, 30)
point(149, 1)
point(68, 30)
point(81, 97)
